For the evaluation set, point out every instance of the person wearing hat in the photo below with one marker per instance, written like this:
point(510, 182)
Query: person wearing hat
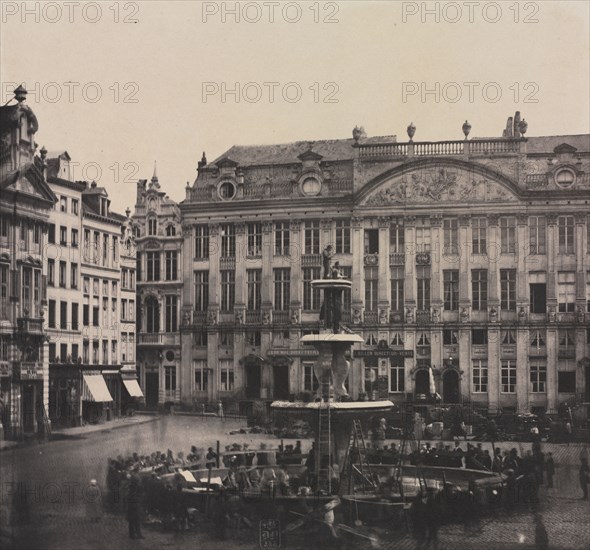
point(93, 500)
point(134, 506)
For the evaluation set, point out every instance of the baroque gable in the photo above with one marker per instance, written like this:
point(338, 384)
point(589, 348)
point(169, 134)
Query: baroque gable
point(436, 184)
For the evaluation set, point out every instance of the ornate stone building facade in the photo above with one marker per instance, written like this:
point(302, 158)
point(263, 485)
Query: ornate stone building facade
point(469, 261)
point(25, 205)
point(158, 232)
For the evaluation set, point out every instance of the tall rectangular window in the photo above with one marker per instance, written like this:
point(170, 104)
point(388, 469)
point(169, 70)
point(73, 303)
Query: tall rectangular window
point(201, 375)
point(346, 272)
point(396, 375)
point(310, 382)
point(170, 378)
point(479, 289)
point(254, 238)
point(201, 290)
point(479, 239)
point(3, 291)
point(282, 284)
point(51, 314)
point(171, 313)
point(451, 289)
point(508, 289)
point(228, 240)
point(422, 235)
point(74, 276)
point(228, 290)
point(51, 234)
point(537, 235)
point(153, 266)
point(538, 376)
point(226, 375)
point(312, 237)
point(371, 288)
point(371, 241)
point(423, 287)
point(538, 292)
point(75, 206)
point(201, 242)
point(508, 376)
point(342, 236)
point(538, 339)
point(567, 341)
point(508, 234)
point(566, 291)
point(51, 272)
point(75, 306)
point(451, 236)
point(566, 230)
point(480, 376)
point(152, 226)
point(396, 239)
point(171, 265)
point(74, 238)
point(63, 315)
point(63, 235)
point(62, 274)
point(311, 296)
point(282, 238)
point(254, 278)
point(397, 288)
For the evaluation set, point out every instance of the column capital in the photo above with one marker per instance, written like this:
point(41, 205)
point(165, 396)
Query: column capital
point(240, 228)
point(580, 217)
point(213, 230)
point(384, 221)
point(357, 223)
point(187, 230)
point(552, 218)
point(493, 219)
point(267, 227)
point(465, 220)
point(436, 220)
point(295, 225)
point(522, 219)
point(409, 221)
point(326, 225)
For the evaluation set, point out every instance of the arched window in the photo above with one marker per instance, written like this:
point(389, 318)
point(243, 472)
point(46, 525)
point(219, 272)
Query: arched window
point(170, 231)
point(152, 226)
point(152, 315)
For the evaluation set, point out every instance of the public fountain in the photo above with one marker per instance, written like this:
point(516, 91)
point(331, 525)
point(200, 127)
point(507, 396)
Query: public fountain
point(333, 412)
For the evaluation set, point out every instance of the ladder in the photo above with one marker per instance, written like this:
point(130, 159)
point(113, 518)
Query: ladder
point(408, 443)
point(357, 452)
point(324, 456)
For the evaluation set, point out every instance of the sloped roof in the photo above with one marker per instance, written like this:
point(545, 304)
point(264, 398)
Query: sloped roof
point(288, 153)
point(546, 144)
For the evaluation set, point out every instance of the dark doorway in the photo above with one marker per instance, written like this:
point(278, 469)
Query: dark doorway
point(451, 392)
point(28, 408)
point(152, 388)
point(281, 381)
point(422, 382)
point(587, 384)
point(253, 380)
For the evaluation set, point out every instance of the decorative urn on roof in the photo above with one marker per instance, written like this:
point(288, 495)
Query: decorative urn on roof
point(523, 126)
point(466, 128)
point(356, 134)
point(411, 130)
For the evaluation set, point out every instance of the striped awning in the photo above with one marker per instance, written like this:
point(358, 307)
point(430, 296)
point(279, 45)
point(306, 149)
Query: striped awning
point(133, 388)
point(95, 389)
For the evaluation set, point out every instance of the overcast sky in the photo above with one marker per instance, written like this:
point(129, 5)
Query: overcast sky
point(165, 76)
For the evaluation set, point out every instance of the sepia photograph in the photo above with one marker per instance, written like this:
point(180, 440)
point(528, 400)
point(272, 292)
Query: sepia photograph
point(308, 275)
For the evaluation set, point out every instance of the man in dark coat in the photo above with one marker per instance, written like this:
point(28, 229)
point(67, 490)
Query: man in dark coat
point(550, 470)
point(134, 506)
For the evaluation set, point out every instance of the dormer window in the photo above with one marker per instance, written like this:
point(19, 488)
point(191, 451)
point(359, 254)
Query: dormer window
point(170, 231)
point(152, 226)
point(24, 129)
point(565, 178)
point(311, 186)
point(226, 190)
point(104, 207)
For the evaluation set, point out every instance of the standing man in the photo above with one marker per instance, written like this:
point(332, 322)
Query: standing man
point(584, 477)
point(134, 506)
point(550, 470)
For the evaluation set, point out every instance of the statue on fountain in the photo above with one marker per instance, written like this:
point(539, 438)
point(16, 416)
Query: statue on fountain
point(331, 309)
